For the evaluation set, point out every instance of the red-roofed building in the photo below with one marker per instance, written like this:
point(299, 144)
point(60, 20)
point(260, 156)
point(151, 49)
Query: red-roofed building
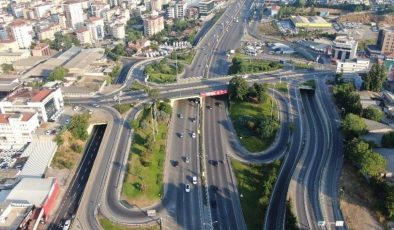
point(16, 129)
point(48, 103)
point(41, 49)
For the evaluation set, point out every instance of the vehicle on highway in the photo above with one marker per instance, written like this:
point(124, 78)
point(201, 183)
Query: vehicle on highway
point(180, 116)
point(180, 135)
point(66, 225)
point(187, 188)
point(215, 163)
point(213, 204)
point(193, 120)
point(175, 163)
point(96, 105)
point(187, 159)
point(193, 135)
point(209, 107)
point(194, 180)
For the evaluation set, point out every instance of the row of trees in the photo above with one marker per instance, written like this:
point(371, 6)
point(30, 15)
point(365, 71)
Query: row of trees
point(163, 67)
point(58, 74)
point(348, 100)
point(239, 65)
point(63, 41)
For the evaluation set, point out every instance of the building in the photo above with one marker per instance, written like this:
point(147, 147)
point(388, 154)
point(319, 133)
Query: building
point(386, 40)
point(156, 5)
point(357, 65)
point(74, 14)
point(312, 22)
point(139, 44)
point(96, 27)
point(80, 63)
point(45, 102)
point(38, 192)
point(41, 49)
point(16, 129)
point(22, 33)
point(344, 48)
point(9, 46)
point(180, 9)
point(205, 7)
point(84, 36)
point(118, 31)
point(42, 10)
point(10, 57)
point(49, 31)
point(8, 83)
point(192, 13)
point(39, 154)
point(153, 25)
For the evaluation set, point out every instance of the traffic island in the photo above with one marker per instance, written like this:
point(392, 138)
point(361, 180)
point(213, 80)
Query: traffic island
point(143, 180)
point(162, 71)
point(109, 225)
point(255, 183)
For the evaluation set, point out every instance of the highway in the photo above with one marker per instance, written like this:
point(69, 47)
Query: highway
point(76, 188)
point(223, 194)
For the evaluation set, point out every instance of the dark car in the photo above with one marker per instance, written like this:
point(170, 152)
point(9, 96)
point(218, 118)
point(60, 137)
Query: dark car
point(215, 163)
point(175, 163)
point(209, 107)
point(213, 204)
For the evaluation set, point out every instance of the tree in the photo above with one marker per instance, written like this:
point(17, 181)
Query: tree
point(372, 163)
point(7, 68)
point(238, 88)
point(267, 128)
point(353, 126)
point(339, 78)
point(373, 113)
point(154, 95)
point(58, 74)
point(388, 140)
point(355, 149)
point(375, 78)
point(347, 98)
point(237, 66)
point(133, 35)
point(64, 42)
point(79, 125)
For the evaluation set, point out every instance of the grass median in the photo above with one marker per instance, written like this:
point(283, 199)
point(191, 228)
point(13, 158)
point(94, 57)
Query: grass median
point(246, 117)
point(106, 224)
point(255, 184)
point(144, 178)
point(162, 71)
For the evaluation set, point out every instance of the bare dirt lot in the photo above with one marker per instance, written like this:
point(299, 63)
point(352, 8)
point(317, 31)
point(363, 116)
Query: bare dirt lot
point(367, 18)
point(357, 201)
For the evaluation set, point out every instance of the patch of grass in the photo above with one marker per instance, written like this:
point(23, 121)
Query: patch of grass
point(269, 28)
point(282, 87)
point(241, 111)
point(185, 57)
point(123, 108)
point(162, 71)
point(255, 183)
point(310, 83)
point(143, 181)
point(137, 86)
point(68, 152)
point(162, 78)
point(108, 225)
point(248, 66)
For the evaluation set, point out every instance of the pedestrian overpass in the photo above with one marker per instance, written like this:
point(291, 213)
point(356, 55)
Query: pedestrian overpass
point(200, 96)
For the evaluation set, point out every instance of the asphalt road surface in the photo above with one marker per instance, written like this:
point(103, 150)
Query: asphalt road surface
point(73, 195)
point(223, 194)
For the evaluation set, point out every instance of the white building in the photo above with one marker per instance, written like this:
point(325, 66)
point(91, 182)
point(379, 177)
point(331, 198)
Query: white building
point(16, 129)
point(118, 31)
point(22, 33)
point(153, 24)
point(180, 9)
point(84, 36)
point(42, 9)
point(344, 48)
point(74, 14)
point(353, 66)
point(96, 27)
point(46, 102)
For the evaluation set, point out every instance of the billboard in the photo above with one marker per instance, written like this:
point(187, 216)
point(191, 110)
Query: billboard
point(213, 93)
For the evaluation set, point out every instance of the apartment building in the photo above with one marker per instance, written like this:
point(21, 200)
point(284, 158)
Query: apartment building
point(205, 7)
point(74, 14)
point(22, 33)
point(84, 36)
point(344, 48)
point(16, 129)
point(118, 30)
point(45, 102)
point(96, 27)
point(48, 32)
point(386, 40)
point(156, 5)
point(353, 66)
point(153, 24)
point(180, 9)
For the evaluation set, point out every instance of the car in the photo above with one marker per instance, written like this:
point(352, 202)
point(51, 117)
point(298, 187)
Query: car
point(90, 111)
point(180, 135)
point(76, 108)
point(180, 116)
point(209, 107)
point(213, 204)
point(175, 163)
point(194, 180)
point(193, 120)
point(193, 135)
point(67, 121)
point(96, 105)
point(66, 225)
point(187, 159)
point(215, 163)
point(48, 132)
point(187, 188)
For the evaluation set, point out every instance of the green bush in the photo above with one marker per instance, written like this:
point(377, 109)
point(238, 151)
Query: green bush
point(388, 140)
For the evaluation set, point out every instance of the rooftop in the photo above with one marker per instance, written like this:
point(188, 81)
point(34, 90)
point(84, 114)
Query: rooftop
point(40, 153)
point(31, 191)
point(25, 95)
point(15, 217)
point(17, 22)
point(84, 58)
point(40, 46)
point(4, 117)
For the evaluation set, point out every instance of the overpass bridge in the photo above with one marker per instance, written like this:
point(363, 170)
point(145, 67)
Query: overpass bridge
point(200, 96)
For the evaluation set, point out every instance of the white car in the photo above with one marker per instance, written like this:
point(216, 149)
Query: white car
point(193, 135)
point(187, 188)
point(67, 121)
point(66, 225)
point(48, 132)
point(194, 180)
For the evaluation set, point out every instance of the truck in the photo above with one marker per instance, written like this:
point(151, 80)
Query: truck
point(231, 51)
